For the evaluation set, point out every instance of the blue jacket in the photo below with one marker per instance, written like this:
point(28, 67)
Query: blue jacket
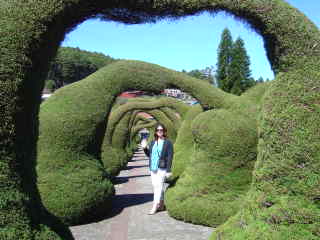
point(166, 155)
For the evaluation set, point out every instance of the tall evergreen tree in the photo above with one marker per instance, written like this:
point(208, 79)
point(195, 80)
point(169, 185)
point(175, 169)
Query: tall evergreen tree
point(224, 59)
point(260, 80)
point(239, 69)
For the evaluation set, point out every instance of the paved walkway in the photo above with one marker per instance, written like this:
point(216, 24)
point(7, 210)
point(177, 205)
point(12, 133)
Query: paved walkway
point(129, 219)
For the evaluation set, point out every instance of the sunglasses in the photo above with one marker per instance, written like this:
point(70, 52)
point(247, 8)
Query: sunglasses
point(160, 130)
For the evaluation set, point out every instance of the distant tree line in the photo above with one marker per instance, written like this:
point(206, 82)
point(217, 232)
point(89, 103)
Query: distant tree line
point(72, 64)
point(206, 74)
point(233, 72)
point(232, 75)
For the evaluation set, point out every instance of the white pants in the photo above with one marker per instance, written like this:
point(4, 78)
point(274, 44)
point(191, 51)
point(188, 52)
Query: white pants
point(157, 179)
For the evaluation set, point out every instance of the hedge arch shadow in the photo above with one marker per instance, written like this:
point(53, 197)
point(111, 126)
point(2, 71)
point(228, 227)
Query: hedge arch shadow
point(31, 41)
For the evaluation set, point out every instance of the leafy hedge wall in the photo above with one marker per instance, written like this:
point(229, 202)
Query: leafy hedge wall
point(141, 104)
point(283, 200)
point(135, 139)
point(184, 145)
point(113, 154)
point(72, 133)
point(214, 180)
point(119, 132)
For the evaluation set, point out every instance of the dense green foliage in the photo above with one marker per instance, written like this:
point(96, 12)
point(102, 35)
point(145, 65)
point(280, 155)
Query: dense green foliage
point(120, 132)
point(288, 149)
point(162, 118)
point(137, 117)
point(148, 124)
point(113, 149)
point(72, 64)
point(147, 104)
point(184, 145)
point(72, 133)
point(224, 59)
point(68, 165)
point(206, 74)
point(286, 189)
point(239, 70)
point(233, 66)
point(222, 149)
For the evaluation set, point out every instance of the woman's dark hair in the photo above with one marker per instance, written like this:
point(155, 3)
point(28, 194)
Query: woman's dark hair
point(164, 131)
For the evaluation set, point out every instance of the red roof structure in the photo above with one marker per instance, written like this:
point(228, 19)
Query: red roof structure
point(131, 94)
point(146, 115)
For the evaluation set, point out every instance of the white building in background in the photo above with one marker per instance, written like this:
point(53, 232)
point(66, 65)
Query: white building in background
point(177, 93)
point(173, 92)
point(45, 96)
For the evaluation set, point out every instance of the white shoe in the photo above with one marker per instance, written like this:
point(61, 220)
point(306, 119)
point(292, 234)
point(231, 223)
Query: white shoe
point(153, 210)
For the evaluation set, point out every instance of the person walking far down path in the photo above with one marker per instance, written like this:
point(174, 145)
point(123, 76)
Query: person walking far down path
point(127, 220)
point(160, 153)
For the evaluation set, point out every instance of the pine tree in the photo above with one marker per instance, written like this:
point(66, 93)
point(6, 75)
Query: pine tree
point(224, 59)
point(260, 80)
point(239, 74)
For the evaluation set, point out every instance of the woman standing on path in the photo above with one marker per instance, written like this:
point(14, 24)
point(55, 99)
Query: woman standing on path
point(160, 153)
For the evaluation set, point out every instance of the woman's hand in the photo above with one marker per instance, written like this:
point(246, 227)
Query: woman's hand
point(168, 174)
point(144, 143)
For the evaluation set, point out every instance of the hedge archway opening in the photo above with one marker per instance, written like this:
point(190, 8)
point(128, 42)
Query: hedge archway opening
point(72, 133)
point(32, 40)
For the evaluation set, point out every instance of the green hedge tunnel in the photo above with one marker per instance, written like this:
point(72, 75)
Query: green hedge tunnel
point(114, 156)
point(116, 115)
point(117, 135)
point(148, 125)
point(169, 113)
point(72, 132)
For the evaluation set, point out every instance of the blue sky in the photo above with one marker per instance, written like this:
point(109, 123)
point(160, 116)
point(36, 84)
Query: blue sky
point(188, 43)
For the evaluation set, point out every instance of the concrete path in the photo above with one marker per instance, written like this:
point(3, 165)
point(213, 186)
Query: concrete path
point(129, 219)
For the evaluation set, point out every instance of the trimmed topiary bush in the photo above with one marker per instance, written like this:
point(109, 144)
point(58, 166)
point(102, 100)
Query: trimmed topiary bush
point(173, 116)
point(72, 132)
point(140, 104)
point(71, 179)
point(219, 171)
point(136, 117)
point(135, 138)
point(216, 163)
point(184, 145)
point(163, 119)
point(145, 123)
point(283, 200)
point(113, 154)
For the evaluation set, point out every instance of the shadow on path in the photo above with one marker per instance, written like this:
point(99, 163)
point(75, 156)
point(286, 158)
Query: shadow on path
point(121, 180)
point(132, 167)
point(119, 203)
point(122, 201)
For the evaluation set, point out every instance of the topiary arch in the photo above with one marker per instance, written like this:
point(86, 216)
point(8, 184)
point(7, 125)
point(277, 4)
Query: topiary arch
point(118, 113)
point(148, 124)
point(31, 32)
point(72, 132)
point(119, 134)
point(213, 163)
